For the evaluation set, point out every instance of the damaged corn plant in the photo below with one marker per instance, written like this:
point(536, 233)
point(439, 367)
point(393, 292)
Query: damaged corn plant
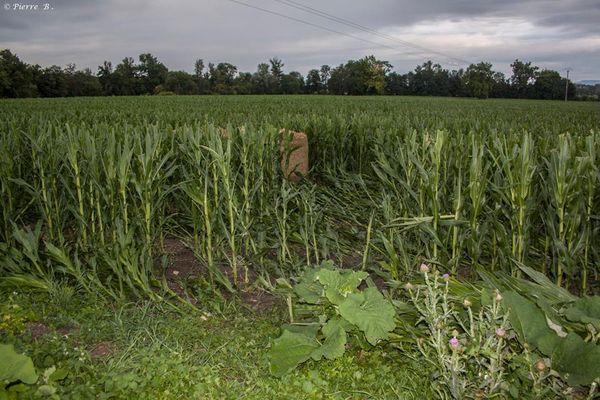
point(104, 183)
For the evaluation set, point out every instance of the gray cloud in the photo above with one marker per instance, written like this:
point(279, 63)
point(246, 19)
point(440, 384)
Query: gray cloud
point(553, 34)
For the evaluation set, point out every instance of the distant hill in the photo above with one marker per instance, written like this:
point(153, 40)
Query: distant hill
point(589, 82)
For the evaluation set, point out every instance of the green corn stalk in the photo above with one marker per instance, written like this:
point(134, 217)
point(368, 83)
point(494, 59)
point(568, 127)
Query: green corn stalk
point(590, 176)
point(565, 200)
point(436, 153)
point(283, 216)
point(73, 158)
point(477, 190)
point(517, 164)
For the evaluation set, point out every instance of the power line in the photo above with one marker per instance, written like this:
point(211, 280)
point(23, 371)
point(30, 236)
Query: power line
point(343, 21)
point(319, 26)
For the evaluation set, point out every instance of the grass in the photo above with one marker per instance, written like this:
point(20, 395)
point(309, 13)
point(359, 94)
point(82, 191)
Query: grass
point(142, 350)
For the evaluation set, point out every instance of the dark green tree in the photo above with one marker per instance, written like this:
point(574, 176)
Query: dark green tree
point(201, 78)
point(501, 87)
point(523, 78)
point(82, 83)
point(430, 79)
point(396, 84)
point(479, 79)
point(179, 82)
point(222, 78)
point(263, 80)
point(243, 83)
point(313, 81)
point(276, 74)
point(325, 73)
point(125, 78)
point(17, 79)
point(549, 85)
point(51, 82)
point(151, 72)
point(359, 77)
point(292, 83)
point(456, 83)
point(107, 79)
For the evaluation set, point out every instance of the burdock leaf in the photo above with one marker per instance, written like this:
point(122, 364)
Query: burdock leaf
point(16, 367)
point(333, 346)
point(308, 289)
point(371, 312)
point(577, 361)
point(339, 283)
point(336, 323)
point(289, 350)
point(585, 310)
point(529, 321)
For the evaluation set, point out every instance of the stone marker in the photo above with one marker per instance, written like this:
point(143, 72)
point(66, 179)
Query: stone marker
point(293, 148)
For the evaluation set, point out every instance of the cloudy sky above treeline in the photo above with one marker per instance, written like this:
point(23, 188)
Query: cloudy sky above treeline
point(554, 34)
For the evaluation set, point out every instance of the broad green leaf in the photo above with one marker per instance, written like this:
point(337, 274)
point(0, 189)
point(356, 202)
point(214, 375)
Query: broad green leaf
point(329, 277)
point(346, 281)
point(332, 281)
point(371, 312)
point(59, 375)
point(577, 361)
point(308, 290)
point(339, 283)
point(585, 310)
point(295, 347)
point(289, 350)
point(16, 367)
point(336, 323)
point(310, 329)
point(333, 346)
point(529, 322)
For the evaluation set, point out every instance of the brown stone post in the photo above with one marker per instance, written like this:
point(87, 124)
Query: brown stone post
point(293, 150)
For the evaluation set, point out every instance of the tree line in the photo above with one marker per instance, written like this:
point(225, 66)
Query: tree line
point(366, 76)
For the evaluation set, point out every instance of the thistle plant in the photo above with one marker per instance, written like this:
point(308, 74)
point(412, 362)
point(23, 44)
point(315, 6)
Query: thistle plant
point(466, 346)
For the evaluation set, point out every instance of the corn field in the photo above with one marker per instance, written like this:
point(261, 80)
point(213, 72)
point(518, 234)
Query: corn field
point(90, 189)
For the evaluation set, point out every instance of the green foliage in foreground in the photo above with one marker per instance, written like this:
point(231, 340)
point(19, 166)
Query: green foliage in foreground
point(575, 360)
point(334, 308)
point(157, 353)
point(15, 368)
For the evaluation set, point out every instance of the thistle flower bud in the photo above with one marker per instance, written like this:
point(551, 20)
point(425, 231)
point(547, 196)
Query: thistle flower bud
point(424, 268)
point(540, 365)
point(409, 286)
point(467, 303)
point(500, 332)
point(498, 296)
point(446, 277)
point(454, 343)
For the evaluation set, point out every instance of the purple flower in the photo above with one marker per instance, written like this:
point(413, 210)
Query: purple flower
point(424, 268)
point(500, 332)
point(454, 343)
point(446, 277)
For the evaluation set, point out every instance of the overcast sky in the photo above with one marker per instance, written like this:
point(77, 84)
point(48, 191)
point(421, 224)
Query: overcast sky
point(554, 34)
